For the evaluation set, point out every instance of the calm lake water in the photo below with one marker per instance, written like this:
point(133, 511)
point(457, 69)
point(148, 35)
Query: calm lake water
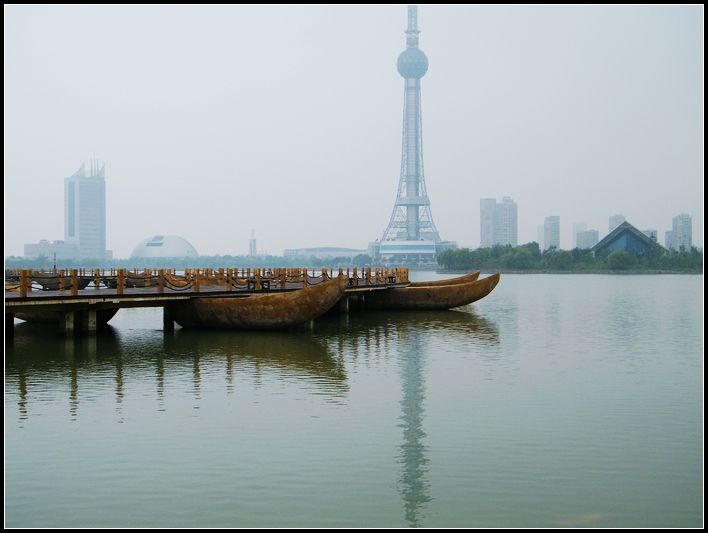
point(556, 401)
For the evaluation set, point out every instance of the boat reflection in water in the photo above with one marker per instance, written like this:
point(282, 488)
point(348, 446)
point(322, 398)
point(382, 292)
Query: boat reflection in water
point(317, 358)
point(152, 355)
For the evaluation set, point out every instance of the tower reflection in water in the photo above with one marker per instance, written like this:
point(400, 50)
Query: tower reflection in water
point(414, 336)
point(320, 357)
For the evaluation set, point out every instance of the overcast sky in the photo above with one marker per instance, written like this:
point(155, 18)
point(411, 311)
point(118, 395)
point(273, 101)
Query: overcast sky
point(217, 120)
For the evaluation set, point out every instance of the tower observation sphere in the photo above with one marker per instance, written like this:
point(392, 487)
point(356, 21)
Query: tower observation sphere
point(412, 63)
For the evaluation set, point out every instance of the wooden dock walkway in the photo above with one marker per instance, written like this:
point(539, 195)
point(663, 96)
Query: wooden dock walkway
point(76, 295)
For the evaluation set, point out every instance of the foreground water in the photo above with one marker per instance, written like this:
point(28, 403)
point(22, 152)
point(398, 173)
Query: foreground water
point(556, 401)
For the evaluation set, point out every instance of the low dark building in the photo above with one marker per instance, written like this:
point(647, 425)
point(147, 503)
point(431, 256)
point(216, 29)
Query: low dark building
point(627, 238)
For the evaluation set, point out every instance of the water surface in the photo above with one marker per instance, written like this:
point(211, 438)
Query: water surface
point(556, 401)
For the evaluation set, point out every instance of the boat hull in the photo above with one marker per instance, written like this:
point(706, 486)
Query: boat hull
point(53, 317)
point(432, 297)
point(453, 281)
point(260, 311)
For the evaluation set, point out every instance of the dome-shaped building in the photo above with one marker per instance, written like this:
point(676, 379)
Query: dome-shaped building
point(164, 246)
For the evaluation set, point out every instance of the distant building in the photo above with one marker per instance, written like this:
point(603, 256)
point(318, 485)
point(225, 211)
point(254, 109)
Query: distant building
point(682, 232)
point(587, 239)
point(627, 238)
point(252, 251)
point(616, 220)
point(498, 222)
point(164, 246)
point(85, 211)
point(322, 252)
point(539, 236)
point(669, 240)
point(487, 206)
point(57, 249)
point(577, 228)
point(551, 233)
point(652, 234)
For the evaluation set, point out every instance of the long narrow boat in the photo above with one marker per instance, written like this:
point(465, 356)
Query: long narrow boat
point(472, 276)
point(260, 311)
point(432, 297)
point(49, 282)
point(53, 317)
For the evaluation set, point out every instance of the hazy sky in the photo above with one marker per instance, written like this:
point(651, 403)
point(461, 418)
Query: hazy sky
point(217, 120)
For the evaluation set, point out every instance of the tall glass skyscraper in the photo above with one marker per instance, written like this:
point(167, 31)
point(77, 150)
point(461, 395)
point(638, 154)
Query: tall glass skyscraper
point(85, 211)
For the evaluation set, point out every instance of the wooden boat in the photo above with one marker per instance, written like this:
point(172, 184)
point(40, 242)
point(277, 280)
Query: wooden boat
point(431, 297)
point(50, 282)
point(260, 311)
point(472, 276)
point(132, 281)
point(53, 317)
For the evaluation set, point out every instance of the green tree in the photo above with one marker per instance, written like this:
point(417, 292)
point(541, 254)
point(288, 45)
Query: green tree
point(620, 260)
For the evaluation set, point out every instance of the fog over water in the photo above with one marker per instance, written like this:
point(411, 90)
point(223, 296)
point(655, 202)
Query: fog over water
point(217, 120)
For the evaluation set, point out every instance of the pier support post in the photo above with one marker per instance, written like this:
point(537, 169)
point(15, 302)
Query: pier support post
point(344, 304)
point(88, 321)
point(66, 323)
point(9, 326)
point(168, 322)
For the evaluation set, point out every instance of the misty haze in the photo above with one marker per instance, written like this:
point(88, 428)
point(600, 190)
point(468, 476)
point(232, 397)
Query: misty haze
point(286, 266)
point(213, 122)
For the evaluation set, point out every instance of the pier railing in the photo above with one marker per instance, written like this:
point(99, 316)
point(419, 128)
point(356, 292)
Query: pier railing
point(194, 279)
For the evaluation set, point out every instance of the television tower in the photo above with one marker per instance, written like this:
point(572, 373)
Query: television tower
point(411, 219)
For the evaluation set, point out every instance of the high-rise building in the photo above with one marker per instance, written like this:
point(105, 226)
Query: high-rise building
point(669, 240)
point(85, 211)
point(682, 230)
point(487, 209)
point(498, 222)
point(551, 233)
point(652, 234)
point(411, 232)
point(577, 228)
point(587, 239)
point(616, 220)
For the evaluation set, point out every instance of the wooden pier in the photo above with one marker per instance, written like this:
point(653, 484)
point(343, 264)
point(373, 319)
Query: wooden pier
point(76, 296)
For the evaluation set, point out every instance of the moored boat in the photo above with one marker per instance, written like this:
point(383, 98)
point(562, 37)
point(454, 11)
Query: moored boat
point(50, 282)
point(432, 297)
point(260, 311)
point(53, 317)
point(472, 276)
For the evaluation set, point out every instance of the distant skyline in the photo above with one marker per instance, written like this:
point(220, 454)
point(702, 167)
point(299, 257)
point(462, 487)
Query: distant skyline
point(217, 120)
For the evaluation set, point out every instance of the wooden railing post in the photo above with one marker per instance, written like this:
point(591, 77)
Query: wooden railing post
point(96, 278)
point(74, 282)
point(23, 283)
point(304, 278)
point(120, 281)
point(258, 279)
point(197, 286)
point(229, 279)
point(161, 281)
